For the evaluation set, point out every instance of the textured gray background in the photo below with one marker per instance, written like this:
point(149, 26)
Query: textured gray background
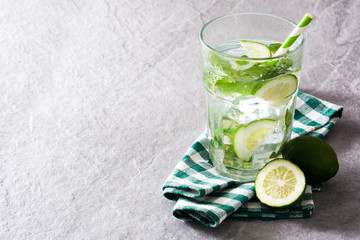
point(100, 99)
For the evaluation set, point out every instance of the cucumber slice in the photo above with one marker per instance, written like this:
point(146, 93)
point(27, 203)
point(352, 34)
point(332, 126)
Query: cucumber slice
point(280, 184)
point(277, 88)
point(249, 137)
point(255, 50)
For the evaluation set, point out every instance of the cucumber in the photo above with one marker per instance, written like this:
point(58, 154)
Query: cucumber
point(250, 136)
point(255, 50)
point(277, 88)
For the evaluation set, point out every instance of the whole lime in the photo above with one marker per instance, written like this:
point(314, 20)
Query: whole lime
point(314, 156)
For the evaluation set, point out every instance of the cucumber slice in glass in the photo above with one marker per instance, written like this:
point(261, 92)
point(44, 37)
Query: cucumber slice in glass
point(249, 137)
point(255, 50)
point(277, 88)
point(280, 184)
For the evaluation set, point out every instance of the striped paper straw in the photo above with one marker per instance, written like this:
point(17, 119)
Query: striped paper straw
point(294, 34)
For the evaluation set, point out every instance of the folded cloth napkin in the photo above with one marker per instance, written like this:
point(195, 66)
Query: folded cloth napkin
point(204, 195)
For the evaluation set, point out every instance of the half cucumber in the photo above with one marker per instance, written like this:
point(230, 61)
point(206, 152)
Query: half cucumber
point(277, 88)
point(250, 136)
point(255, 50)
point(280, 184)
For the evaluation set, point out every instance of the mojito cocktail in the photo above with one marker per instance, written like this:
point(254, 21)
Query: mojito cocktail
point(250, 94)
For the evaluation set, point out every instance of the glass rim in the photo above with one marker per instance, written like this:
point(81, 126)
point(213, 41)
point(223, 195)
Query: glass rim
point(246, 58)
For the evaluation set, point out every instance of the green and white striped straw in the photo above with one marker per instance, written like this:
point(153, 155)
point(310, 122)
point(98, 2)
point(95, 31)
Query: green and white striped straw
point(294, 34)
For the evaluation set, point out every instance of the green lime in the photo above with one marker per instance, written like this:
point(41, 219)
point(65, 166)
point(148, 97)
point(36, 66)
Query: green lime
point(314, 156)
point(250, 136)
point(280, 184)
point(255, 50)
point(277, 88)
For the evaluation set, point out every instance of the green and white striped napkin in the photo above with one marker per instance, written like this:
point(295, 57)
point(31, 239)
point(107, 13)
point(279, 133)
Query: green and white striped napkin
point(203, 195)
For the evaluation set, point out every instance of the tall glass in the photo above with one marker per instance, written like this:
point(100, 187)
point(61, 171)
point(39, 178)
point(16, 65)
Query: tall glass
point(250, 100)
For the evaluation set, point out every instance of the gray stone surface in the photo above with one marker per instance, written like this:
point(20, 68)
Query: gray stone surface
point(100, 99)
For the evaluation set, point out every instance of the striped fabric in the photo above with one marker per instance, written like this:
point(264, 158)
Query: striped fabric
point(314, 116)
point(203, 195)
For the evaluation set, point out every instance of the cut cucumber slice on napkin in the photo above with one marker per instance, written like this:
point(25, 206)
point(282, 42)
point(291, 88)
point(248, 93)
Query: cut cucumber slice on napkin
point(249, 137)
point(255, 50)
point(280, 184)
point(277, 88)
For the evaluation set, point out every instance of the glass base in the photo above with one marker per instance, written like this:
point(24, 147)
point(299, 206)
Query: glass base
point(242, 176)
